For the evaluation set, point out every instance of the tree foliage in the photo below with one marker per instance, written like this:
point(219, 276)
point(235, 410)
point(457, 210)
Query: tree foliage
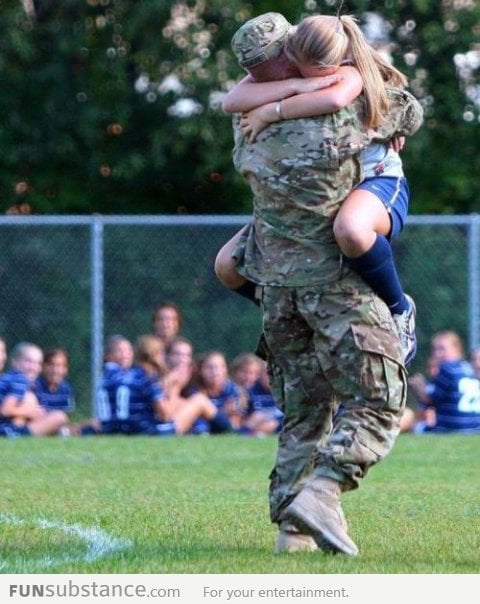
point(113, 106)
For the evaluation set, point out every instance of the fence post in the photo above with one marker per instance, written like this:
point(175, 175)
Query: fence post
point(97, 305)
point(474, 280)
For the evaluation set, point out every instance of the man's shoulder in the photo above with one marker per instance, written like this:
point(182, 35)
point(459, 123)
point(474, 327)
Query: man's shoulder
point(405, 110)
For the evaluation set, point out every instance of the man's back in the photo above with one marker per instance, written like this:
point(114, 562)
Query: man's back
point(299, 172)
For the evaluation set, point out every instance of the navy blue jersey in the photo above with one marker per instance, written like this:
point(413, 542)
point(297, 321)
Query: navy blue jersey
point(13, 383)
point(127, 398)
point(260, 399)
point(229, 393)
point(455, 394)
point(62, 398)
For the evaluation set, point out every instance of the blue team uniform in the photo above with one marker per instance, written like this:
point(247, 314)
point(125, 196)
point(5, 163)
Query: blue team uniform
point(60, 399)
point(260, 399)
point(126, 402)
point(230, 392)
point(13, 383)
point(455, 395)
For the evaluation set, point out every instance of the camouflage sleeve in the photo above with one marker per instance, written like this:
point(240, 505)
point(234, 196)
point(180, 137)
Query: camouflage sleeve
point(404, 118)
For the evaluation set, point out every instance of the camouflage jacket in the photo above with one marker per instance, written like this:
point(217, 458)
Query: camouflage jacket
point(299, 172)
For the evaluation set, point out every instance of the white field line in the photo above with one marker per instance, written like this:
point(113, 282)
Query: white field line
point(99, 544)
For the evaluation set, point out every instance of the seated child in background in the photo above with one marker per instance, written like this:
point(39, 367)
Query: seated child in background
point(178, 408)
point(52, 389)
point(449, 401)
point(214, 381)
point(245, 369)
point(130, 393)
point(263, 416)
point(180, 378)
point(20, 411)
point(166, 322)
point(119, 351)
point(133, 400)
point(179, 352)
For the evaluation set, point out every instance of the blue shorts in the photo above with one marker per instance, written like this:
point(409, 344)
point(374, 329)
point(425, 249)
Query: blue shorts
point(394, 193)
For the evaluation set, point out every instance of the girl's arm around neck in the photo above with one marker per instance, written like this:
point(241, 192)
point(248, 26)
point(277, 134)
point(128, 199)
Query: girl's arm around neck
point(347, 87)
point(326, 100)
point(248, 94)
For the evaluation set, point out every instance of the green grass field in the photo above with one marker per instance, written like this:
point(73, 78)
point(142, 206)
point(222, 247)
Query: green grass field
point(199, 505)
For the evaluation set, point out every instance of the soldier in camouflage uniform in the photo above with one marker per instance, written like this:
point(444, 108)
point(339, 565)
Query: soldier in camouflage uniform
point(331, 340)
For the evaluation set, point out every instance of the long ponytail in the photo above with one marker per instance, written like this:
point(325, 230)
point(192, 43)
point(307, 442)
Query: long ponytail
point(324, 40)
point(375, 72)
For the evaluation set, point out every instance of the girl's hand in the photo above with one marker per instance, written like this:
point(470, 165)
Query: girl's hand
point(32, 412)
point(397, 143)
point(317, 83)
point(256, 120)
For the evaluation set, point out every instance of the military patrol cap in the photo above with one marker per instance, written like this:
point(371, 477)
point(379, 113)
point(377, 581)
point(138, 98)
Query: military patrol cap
point(260, 39)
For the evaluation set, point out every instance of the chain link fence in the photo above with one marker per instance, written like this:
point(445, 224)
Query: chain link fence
point(72, 281)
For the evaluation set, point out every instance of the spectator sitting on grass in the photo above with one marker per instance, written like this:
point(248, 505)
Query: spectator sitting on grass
point(179, 406)
point(133, 401)
point(166, 322)
point(245, 369)
point(263, 415)
point(118, 356)
point(20, 411)
point(214, 381)
point(180, 352)
point(451, 397)
point(180, 378)
point(51, 387)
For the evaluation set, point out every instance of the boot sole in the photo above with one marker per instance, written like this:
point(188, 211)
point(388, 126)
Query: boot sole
point(324, 538)
point(293, 544)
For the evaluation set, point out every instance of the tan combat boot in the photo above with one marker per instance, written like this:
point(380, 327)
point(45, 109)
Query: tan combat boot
point(290, 540)
point(316, 511)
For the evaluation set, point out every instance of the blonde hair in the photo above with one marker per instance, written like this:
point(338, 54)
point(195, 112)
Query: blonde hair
point(147, 349)
point(243, 360)
point(323, 40)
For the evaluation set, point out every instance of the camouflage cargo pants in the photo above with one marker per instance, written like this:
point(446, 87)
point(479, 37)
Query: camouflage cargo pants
point(338, 375)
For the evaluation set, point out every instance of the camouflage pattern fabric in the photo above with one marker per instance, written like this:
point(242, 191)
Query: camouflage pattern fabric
point(335, 359)
point(405, 116)
point(260, 39)
point(296, 197)
point(299, 172)
point(337, 372)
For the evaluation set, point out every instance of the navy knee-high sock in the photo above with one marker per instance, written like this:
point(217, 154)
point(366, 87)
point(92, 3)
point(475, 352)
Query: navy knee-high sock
point(377, 268)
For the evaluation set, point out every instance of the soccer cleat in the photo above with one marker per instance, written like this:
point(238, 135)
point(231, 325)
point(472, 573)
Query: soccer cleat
point(405, 324)
point(316, 511)
point(291, 541)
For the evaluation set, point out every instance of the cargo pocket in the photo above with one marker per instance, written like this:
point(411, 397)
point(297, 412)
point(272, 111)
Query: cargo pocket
point(382, 373)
